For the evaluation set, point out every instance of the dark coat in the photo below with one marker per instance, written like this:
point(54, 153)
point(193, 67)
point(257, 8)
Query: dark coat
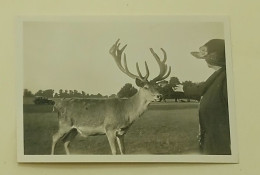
point(214, 116)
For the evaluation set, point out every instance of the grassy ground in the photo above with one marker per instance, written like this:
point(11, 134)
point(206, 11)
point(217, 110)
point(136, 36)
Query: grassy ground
point(166, 128)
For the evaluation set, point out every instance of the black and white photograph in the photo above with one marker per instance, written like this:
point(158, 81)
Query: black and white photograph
point(125, 89)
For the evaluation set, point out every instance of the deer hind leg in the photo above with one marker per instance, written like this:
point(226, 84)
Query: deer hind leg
point(68, 138)
point(111, 136)
point(121, 145)
point(57, 136)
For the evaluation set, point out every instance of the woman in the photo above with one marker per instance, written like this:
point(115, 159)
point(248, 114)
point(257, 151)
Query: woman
point(213, 111)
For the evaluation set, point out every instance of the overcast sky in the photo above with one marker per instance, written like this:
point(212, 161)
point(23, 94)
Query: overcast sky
point(75, 54)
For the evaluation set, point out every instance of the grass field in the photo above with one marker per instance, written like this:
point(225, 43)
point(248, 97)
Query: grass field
point(166, 128)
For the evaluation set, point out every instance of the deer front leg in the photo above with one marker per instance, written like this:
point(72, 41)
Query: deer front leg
point(55, 138)
point(63, 131)
point(121, 145)
point(111, 136)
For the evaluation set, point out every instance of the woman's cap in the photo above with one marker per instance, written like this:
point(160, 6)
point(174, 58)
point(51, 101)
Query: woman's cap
point(213, 52)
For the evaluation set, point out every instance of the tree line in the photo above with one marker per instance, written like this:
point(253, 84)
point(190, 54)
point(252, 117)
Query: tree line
point(191, 90)
point(50, 93)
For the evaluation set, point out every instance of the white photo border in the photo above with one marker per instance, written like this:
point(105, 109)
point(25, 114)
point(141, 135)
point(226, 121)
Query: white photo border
point(124, 158)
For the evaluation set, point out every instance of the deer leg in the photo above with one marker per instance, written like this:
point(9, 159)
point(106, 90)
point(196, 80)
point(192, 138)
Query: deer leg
point(121, 145)
point(68, 138)
point(66, 144)
point(55, 138)
point(111, 136)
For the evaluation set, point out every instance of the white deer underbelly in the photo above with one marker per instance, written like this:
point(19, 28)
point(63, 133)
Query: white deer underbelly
point(85, 131)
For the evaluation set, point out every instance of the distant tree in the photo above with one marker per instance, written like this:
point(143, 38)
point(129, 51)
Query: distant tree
point(45, 93)
point(166, 91)
point(61, 93)
point(70, 93)
point(56, 95)
point(76, 94)
point(83, 94)
point(39, 93)
point(99, 95)
point(65, 94)
point(27, 93)
point(187, 84)
point(87, 96)
point(112, 96)
point(192, 90)
point(48, 93)
point(174, 81)
point(127, 91)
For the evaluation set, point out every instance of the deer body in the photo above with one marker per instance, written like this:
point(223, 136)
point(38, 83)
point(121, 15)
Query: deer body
point(112, 117)
point(86, 116)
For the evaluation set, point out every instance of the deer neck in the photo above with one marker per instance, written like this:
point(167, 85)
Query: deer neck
point(138, 105)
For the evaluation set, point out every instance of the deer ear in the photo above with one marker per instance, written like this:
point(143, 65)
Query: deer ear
point(139, 83)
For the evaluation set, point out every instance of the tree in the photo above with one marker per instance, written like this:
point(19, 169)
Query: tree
point(187, 84)
point(112, 96)
point(99, 95)
point(60, 93)
point(127, 91)
point(174, 81)
point(166, 91)
point(65, 94)
point(83, 94)
point(87, 96)
point(56, 95)
point(27, 93)
point(39, 93)
point(48, 93)
point(76, 94)
point(70, 93)
point(192, 90)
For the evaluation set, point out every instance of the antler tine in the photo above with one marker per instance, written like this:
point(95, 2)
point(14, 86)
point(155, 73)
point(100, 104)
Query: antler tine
point(139, 72)
point(155, 55)
point(163, 67)
point(164, 55)
point(120, 51)
point(167, 75)
point(147, 70)
point(117, 55)
point(127, 72)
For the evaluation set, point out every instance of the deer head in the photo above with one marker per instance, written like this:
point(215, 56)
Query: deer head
point(148, 89)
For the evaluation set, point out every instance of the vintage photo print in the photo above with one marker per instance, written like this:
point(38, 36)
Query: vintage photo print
point(125, 89)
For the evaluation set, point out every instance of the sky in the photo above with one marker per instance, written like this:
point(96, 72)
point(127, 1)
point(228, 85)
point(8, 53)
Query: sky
point(74, 55)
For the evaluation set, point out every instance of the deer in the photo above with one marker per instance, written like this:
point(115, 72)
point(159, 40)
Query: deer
point(110, 117)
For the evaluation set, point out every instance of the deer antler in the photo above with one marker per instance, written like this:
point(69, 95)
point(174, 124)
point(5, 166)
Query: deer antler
point(117, 55)
point(163, 67)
